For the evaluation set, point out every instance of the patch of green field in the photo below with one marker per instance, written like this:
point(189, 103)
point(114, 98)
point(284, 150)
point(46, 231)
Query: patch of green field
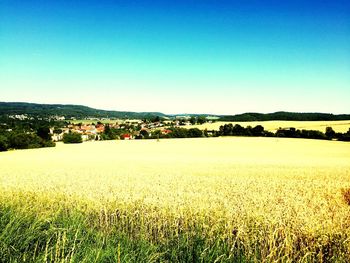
point(93, 121)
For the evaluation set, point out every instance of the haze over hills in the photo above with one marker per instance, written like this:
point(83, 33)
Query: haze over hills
point(82, 112)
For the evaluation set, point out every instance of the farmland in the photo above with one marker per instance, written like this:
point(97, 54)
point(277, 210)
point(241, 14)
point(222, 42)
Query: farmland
point(338, 126)
point(273, 126)
point(177, 200)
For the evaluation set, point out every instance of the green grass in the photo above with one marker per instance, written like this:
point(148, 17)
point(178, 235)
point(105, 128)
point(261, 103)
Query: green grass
point(65, 237)
point(70, 235)
point(74, 236)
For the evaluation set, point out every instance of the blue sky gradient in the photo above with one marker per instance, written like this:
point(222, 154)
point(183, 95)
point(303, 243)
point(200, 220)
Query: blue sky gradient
point(221, 57)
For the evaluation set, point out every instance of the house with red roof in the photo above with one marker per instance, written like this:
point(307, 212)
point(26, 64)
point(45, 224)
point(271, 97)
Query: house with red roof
point(166, 131)
point(126, 136)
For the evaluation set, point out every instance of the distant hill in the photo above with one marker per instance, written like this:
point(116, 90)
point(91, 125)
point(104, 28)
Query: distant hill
point(68, 111)
point(286, 116)
point(83, 112)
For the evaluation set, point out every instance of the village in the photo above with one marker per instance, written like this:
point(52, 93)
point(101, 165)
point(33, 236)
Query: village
point(123, 129)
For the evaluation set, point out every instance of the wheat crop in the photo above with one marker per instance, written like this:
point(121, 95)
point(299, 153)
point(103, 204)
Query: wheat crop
point(177, 200)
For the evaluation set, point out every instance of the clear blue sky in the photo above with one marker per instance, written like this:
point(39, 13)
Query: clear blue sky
point(221, 57)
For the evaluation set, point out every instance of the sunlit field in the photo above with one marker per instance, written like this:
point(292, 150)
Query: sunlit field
point(338, 126)
point(229, 199)
point(105, 121)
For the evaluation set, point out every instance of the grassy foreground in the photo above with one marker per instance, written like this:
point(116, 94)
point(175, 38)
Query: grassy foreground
point(187, 200)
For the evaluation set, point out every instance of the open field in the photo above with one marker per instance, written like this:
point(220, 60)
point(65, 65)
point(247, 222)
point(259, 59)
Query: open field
point(229, 199)
point(105, 121)
point(338, 126)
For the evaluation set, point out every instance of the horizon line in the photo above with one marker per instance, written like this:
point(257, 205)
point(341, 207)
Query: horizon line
point(173, 114)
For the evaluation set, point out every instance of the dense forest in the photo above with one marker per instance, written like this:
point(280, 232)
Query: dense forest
point(286, 116)
point(68, 111)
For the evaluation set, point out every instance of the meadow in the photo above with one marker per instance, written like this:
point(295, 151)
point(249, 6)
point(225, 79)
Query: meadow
point(232, 199)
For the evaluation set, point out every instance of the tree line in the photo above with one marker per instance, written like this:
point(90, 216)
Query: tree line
point(20, 138)
point(285, 116)
point(238, 130)
point(17, 139)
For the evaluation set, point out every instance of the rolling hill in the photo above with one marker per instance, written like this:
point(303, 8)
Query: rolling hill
point(68, 111)
point(83, 112)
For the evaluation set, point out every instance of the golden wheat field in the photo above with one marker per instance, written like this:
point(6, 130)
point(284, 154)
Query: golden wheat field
point(273, 199)
point(338, 126)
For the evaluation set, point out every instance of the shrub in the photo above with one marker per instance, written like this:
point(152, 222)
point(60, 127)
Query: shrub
point(330, 133)
point(20, 140)
point(194, 132)
point(48, 143)
point(72, 137)
point(4, 145)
